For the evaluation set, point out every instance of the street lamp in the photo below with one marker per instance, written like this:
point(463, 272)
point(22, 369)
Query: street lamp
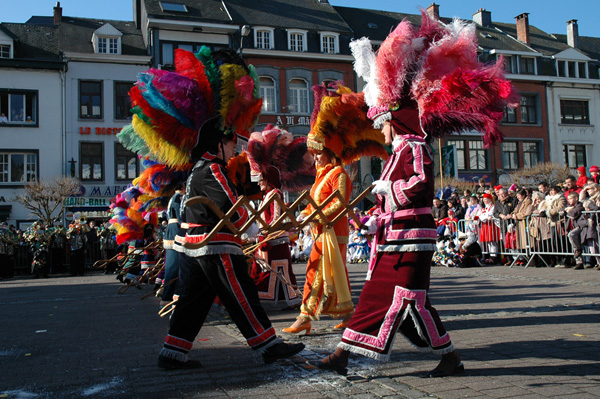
point(244, 32)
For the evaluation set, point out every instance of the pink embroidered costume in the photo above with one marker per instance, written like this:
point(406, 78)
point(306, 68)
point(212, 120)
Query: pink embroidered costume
point(419, 85)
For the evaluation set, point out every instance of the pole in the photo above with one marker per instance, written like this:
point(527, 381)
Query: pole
point(441, 165)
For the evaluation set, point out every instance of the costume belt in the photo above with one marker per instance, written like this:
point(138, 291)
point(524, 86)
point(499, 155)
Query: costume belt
point(173, 220)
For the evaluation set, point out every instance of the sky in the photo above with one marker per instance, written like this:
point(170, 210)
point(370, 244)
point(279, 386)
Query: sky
point(549, 15)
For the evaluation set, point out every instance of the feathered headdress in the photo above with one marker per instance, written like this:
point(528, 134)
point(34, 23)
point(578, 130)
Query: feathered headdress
point(339, 123)
point(276, 155)
point(434, 70)
point(180, 114)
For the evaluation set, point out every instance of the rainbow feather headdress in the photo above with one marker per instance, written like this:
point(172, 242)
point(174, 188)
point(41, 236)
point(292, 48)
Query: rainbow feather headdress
point(169, 110)
point(339, 123)
point(437, 68)
point(278, 148)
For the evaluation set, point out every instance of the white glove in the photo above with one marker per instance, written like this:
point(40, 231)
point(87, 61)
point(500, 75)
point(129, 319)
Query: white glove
point(300, 218)
point(381, 187)
point(371, 225)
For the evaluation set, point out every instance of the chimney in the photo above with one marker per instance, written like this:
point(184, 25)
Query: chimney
point(483, 18)
point(572, 33)
point(57, 13)
point(523, 27)
point(434, 11)
point(323, 1)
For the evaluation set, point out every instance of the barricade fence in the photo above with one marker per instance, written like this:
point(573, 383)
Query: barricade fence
point(537, 235)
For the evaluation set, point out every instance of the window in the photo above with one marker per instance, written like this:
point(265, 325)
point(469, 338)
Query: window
point(508, 64)
point(4, 51)
point(19, 107)
point(329, 43)
point(561, 68)
point(528, 109)
point(166, 53)
point(298, 96)
point(510, 156)
point(477, 156)
point(527, 66)
point(90, 99)
point(91, 161)
point(262, 39)
point(126, 163)
point(267, 92)
point(108, 45)
point(574, 112)
point(510, 115)
point(122, 102)
point(582, 66)
point(18, 167)
point(297, 41)
point(531, 153)
point(459, 146)
point(174, 7)
point(575, 155)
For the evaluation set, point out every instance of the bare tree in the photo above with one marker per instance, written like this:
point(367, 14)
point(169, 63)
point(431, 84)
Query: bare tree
point(43, 198)
point(551, 172)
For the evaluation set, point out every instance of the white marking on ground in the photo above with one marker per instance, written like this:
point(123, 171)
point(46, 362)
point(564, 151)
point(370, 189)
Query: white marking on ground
point(102, 387)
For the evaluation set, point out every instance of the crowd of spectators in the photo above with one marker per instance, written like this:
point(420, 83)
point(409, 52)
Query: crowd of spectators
point(558, 222)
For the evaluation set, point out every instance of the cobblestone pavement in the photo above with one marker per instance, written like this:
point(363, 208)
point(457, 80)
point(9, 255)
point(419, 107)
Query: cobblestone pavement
point(522, 333)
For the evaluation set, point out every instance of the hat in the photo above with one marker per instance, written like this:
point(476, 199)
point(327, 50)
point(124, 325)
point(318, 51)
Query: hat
point(488, 196)
point(277, 148)
point(462, 236)
point(451, 211)
point(594, 168)
point(513, 187)
point(431, 72)
point(498, 187)
point(340, 124)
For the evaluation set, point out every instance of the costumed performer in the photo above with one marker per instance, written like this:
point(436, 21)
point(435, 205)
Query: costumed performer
point(416, 89)
point(218, 95)
point(340, 133)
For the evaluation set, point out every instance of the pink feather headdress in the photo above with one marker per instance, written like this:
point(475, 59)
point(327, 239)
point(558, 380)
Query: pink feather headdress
point(436, 68)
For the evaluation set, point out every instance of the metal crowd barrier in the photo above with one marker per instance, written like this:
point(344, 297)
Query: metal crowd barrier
point(499, 238)
point(549, 240)
point(536, 236)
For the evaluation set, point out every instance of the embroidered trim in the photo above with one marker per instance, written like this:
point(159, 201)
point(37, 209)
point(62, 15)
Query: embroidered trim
point(406, 247)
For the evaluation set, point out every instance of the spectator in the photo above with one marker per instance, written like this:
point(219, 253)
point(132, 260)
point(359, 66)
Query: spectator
point(482, 186)
point(459, 210)
point(497, 189)
point(472, 214)
point(464, 203)
point(571, 186)
point(489, 232)
point(504, 207)
point(543, 188)
point(470, 250)
point(523, 209)
point(539, 229)
point(589, 235)
point(582, 176)
point(467, 193)
point(439, 210)
point(594, 174)
point(576, 223)
point(512, 190)
point(3, 118)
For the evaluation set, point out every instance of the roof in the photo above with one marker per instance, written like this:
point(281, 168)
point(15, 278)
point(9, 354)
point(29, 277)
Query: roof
point(205, 10)
point(376, 24)
point(307, 14)
point(586, 44)
point(75, 34)
point(538, 39)
point(33, 41)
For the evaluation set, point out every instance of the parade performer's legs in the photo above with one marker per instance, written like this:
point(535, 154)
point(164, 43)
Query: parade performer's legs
point(171, 272)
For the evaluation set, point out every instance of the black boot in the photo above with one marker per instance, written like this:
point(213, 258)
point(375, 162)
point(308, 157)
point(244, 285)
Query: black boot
point(281, 350)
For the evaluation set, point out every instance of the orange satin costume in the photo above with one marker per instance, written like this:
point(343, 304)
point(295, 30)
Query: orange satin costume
point(327, 287)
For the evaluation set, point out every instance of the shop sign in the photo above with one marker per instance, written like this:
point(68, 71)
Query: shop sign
point(105, 191)
point(106, 131)
point(86, 201)
point(289, 120)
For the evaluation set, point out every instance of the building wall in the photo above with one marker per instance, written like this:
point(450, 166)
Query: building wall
point(43, 137)
point(96, 194)
point(561, 134)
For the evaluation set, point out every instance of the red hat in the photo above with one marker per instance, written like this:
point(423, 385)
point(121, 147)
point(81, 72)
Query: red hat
point(498, 187)
point(594, 168)
point(488, 196)
point(450, 211)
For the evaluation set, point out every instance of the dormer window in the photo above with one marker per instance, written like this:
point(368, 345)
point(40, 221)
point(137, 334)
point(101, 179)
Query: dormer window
point(297, 40)
point(329, 43)
point(571, 69)
point(107, 40)
point(263, 38)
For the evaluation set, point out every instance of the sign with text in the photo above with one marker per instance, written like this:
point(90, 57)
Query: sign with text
point(107, 131)
point(86, 201)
